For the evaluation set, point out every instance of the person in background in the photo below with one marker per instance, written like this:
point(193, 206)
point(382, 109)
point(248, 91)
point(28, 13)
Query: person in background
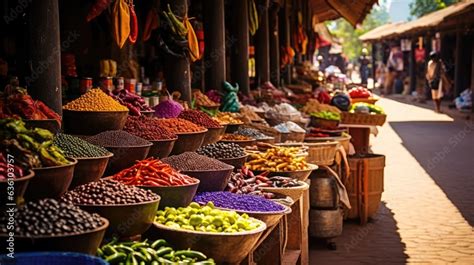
point(364, 61)
point(436, 79)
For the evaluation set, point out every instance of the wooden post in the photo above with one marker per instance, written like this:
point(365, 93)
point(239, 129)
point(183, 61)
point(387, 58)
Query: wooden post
point(472, 72)
point(262, 53)
point(176, 70)
point(240, 50)
point(374, 62)
point(412, 66)
point(44, 81)
point(274, 45)
point(214, 35)
point(285, 37)
point(458, 65)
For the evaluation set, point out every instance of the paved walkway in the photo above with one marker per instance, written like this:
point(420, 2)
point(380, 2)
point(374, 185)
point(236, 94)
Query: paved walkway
point(427, 211)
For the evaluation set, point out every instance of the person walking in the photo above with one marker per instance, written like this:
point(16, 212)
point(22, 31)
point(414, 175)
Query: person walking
point(436, 79)
point(364, 61)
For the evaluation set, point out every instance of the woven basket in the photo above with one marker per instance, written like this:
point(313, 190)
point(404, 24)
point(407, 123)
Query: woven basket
point(365, 100)
point(321, 154)
point(363, 119)
point(343, 140)
point(292, 137)
point(293, 192)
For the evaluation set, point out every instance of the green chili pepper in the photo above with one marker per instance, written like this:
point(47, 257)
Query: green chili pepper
point(159, 243)
point(145, 253)
point(164, 261)
point(123, 248)
point(163, 251)
point(116, 257)
point(139, 245)
point(191, 254)
point(205, 262)
point(100, 253)
point(109, 250)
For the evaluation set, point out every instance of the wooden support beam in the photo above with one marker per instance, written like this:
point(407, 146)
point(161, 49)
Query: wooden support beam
point(240, 50)
point(262, 51)
point(285, 36)
point(274, 44)
point(412, 66)
point(458, 64)
point(44, 81)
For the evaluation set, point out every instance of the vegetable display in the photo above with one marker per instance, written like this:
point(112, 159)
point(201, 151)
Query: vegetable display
point(341, 101)
point(95, 100)
point(147, 128)
point(191, 161)
point(32, 148)
point(221, 150)
point(227, 118)
point(200, 118)
point(277, 159)
point(206, 219)
point(314, 106)
point(373, 109)
point(283, 182)
point(152, 172)
point(327, 115)
point(201, 99)
point(77, 147)
point(239, 202)
point(360, 92)
point(246, 182)
point(177, 125)
point(153, 253)
point(132, 101)
point(7, 171)
point(168, 109)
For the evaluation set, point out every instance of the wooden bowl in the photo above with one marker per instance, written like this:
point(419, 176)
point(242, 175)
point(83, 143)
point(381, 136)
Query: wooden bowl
point(236, 162)
point(298, 174)
point(19, 185)
point(50, 182)
point(188, 142)
point(241, 143)
point(174, 196)
point(89, 169)
point(93, 122)
point(213, 135)
point(126, 220)
point(51, 125)
point(211, 180)
point(86, 242)
point(224, 248)
point(125, 156)
point(161, 148)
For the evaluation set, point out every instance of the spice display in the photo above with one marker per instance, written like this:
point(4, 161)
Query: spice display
point(49, 217)
point(249, 113)
point(201, 99)
point(230, 102)
point(327, 115)
point(95, 100)
point(9, 170)
point(116, 138)
point(153, 252)
point(191, 161)
point(360, 92)
point(246, 182)
point(147, 128)
point(239, 202)
point(372, 109)
point(289, 126)
point(108, 192)
point(227, 118)
point(235, 137)
point(284, 182)
point(177, 125)
point(168, 109)
point(277, 159)
point(132, 101)
point(252, 133)
point(152, 172)
point(206, 219)
point(199, 118)
point(32, 148)
point(313, 105)
point(221, 150)
point(15, 101)
point(77, 147)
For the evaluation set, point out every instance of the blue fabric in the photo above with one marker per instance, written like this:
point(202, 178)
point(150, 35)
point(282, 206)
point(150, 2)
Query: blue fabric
point(51, 258)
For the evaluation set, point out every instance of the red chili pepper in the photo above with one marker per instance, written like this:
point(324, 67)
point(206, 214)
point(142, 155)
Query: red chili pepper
point(133, 24)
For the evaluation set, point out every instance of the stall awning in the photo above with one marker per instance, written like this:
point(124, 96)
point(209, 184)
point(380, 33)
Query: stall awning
point(353, 11)
point(380, 32)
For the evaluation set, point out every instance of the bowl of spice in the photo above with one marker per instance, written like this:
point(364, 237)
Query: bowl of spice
point(214, 129)
point(152, 129)
point(288, 186)
point(92, 160)
point(255, 134)
point(51, 225)
point(92, 113)
point(16, 174)
point(130, 210)
point(255, 206)
point(229, 153)
point(190, 135)
point(212, 173)
point(175, 189)
point(127, 148)
point(241, 140)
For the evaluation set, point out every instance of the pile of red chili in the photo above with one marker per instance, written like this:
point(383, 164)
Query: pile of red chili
point(147, 128)
point(199, 118)
point(8, 170)
point(152, 172)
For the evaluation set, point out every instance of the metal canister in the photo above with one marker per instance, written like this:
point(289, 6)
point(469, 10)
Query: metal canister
point(107, 84)
point(138, 88)
point(86, 85)
point(130, 84)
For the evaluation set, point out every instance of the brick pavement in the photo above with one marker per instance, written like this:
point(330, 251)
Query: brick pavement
point(427, 214)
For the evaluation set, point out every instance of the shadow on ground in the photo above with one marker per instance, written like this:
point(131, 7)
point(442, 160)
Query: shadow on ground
point(445, 151)
point(378, 242)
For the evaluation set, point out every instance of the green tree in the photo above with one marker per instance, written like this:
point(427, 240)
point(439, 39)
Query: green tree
point(420, 8)
point(349, 36)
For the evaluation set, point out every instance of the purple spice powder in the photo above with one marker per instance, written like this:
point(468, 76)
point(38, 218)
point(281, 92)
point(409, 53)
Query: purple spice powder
point(239, 202)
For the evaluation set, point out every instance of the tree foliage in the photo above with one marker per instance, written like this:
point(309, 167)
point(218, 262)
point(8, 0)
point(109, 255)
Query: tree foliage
point(420, 8)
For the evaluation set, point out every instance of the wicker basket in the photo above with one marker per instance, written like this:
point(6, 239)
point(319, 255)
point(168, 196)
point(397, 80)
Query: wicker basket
point(365, 100)
point(292, 137)
point(324, 123)
point(321, 154)
point(293, 192)
point(363, 119)
point(344, 140)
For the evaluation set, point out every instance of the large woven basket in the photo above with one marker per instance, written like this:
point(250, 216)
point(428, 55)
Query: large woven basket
point(293, 192)
point(321, 154)
point(363, 118)
point(293, 137)
point(344, 140)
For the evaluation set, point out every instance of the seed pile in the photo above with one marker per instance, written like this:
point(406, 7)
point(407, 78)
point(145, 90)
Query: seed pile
point(147, 128)
point(116, 138)
point(108, 192)
point(221, 150)
point(177, 125)
point(77, 148)
point(199, 118)
point(239, 202)
point(191, 161)
point(252, 133)
point(95, 100)
point(49, 217)
point(235, 137)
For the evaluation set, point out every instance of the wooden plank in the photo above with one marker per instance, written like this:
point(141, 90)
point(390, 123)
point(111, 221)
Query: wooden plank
point(240, 50)
point(262, 49)
point(291, 257)
point(304, 259)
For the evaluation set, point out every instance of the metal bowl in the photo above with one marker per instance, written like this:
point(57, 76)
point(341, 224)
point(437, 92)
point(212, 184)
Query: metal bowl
point(125, 156)
point(188, 142)
point(126, 220)
point(233, 127)
point(213, 135)
point(19, 184)
point(297, 174)
point(93, 122)
point(161, 148)
point(241, 143)
point(270, 218)
point(50, 182)
point(211, 180)
point(174, 196)
point(86, 242)
point(236, 162)
point(51, 125)
point(224, 248)
point(89, 169)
